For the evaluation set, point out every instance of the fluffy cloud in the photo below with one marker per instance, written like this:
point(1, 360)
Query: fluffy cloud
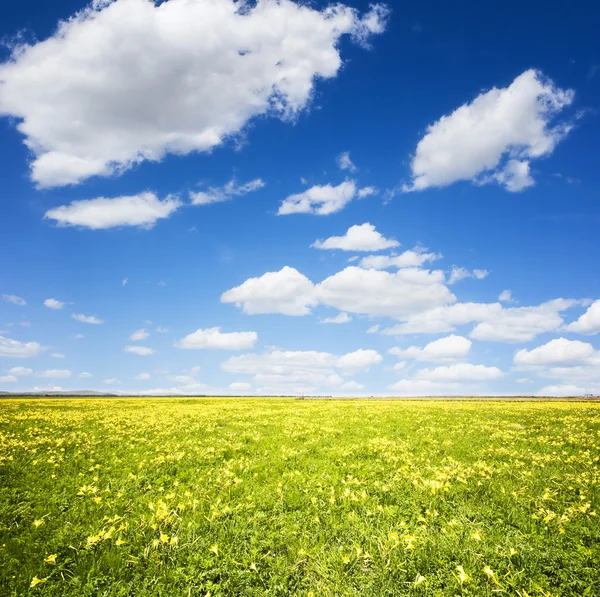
point(215, 339)
point(57, 355)
point(319, 200)
point(506, 297)
point(447, 349)
point(85, 375)
point(460, 273)
point(54, 373)
point(20, 371)
point(339, 318)
point(138, 335)
point(493, 138)
point(556, 352)
point(142, 376)
point(15, 300)
point(142, 210)
point(53, 304)
point(19, 350)
point(352, 386)
point(225, 193)
point(345, 163)
point(422, 387)
point(359, 360)
point(459, 372)
point(286, 291)
point(112, 381)
point(412, 258)
point(86, 107)
point(240, 386)
point(87, 318)
point(589, 322)
point(143, 351)
point(8, 379)
point(373, 329)
point(358, 238)
point(567, 390)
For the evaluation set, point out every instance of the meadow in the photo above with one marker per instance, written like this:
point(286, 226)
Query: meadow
point(281, 497)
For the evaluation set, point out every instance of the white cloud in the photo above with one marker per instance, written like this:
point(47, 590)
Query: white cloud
point(54, 373)
point(589, 322)
point(443, 350)
point(8, 379)
point(225, 193)
point(556, 352)
point(142, 376)
point(143, 351)
point(366, 192)
point(339, 318)
point(506, 297)
point(567, 390)
point(53, 304)
point(162, 330)
point(142, 210)
point(319, 200)
point(373, 329)
point(460, 273)
point(20, 371)
point(85, 375)
point(124, 281)
point(358, 238)
point(87, 319)
point(129, 80)
point(111, 381)
point(352, 386)
point(412, 258)
point(423, 387)
point(57, 355)
point(359, 360)
point(459, 372)
point(138, 335)
point(286, 291)
point(213, 338)
point(345, 163)
point(79, 336)
point(494, 137)
point(240, 386)
point(16, 300)
point(19, 350)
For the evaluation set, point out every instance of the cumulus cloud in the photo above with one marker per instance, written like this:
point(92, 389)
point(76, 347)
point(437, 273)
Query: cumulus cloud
point(240, 386)
point(85, 375)
point(366, 192)
point(54, 304)
point(339, 318)
point(19, 350)
point(213, 338)
point(320, 200)
point(359, 360)
point(20, 371)
point(459, 372)
point(566, 390)
point(112, 381)
point(226, 192)
point(358, 238)
point(412, 258)
point(87, 105)
point(286, 291)
point(138, 335)
point(14, 299)
point(506, 297)
point(54, 373)
point(559, 351)
point(589, 322)
point(142, 210)
point(87, 319)
point(8, 379)
point(143, 351)
point(494, 137)
point(352, 386)
point(451, 348)
point(345, 163)
point(460, 273)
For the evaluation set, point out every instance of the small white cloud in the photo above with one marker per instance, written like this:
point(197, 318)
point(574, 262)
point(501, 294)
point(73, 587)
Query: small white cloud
point(412, 258)
point(85, 375)
point(54, 304)
point(113, 381)
point(162, 330)
point(373, 329)
point(459, 372)
point(451, 348)
point(142, 376)
point(16, 349)
point(8, 379)
point(523, 380)
point(589, 322)
point(345, 163)
point(20, 371)
point(319, 200)
point(213, 338)
point(359, 360)
point(506, 297)
point(79, 336)
point(138, 335)
point(143, 351)
point(57, 355)
point(124, 281)
point(366, 192)
point(226, 192)
point(87, 319)
point(460, 273)
point(352, 386)
point(339, 318)
point(142, 210)
point(240, 386)
point(54, 373)
point(14, 299)
point(358, 238)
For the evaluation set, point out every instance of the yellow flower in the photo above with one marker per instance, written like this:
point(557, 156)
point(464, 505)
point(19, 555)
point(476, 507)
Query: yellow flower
point(50, 559)
point(38, 523)
point(164, 538)
point(488, 571)
point(174, 540)
point(253, 567)
point(119, 542)
point(462, 575)
point(215, 549)
point(476, 535)
point(419, 579)
point(36, 581)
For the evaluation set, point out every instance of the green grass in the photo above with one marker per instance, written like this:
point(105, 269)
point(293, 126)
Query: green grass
point(246, 497)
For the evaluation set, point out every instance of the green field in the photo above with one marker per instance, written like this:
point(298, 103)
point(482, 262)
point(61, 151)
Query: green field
point(215, 497)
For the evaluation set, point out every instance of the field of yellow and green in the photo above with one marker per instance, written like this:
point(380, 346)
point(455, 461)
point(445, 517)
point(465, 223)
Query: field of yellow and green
point(247, 497)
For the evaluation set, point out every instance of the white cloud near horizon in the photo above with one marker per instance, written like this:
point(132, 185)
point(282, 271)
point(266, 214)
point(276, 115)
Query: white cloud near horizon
point(16, 349)
point(213, 338)
point(448, 349)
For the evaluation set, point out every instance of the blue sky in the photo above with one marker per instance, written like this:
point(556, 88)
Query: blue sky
point(424, 175)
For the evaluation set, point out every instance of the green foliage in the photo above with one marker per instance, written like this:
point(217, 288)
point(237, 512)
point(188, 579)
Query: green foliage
point(274, 497)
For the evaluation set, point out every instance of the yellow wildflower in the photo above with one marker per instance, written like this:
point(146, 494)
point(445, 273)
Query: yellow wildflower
point(38, 523)
point(51, 559)
point(36, 581)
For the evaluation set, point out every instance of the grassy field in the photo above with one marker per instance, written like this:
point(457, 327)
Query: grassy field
point(215, 497)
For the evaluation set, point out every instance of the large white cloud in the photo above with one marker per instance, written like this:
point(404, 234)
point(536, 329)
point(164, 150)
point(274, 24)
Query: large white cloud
point(320, 200)
point(286, 291)
point(559, 351)
point(215, 339)
point(16, 349)
point(142, 210)
point(358, 238)
point(448, 349)
point(494, 137)
point(589, 322)
point(124, 81)
point(8, 379)
point(20, 371)
point(459, 372)
point(225, 193)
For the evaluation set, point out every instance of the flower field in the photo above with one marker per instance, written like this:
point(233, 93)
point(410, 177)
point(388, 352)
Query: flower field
point(278, 497)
